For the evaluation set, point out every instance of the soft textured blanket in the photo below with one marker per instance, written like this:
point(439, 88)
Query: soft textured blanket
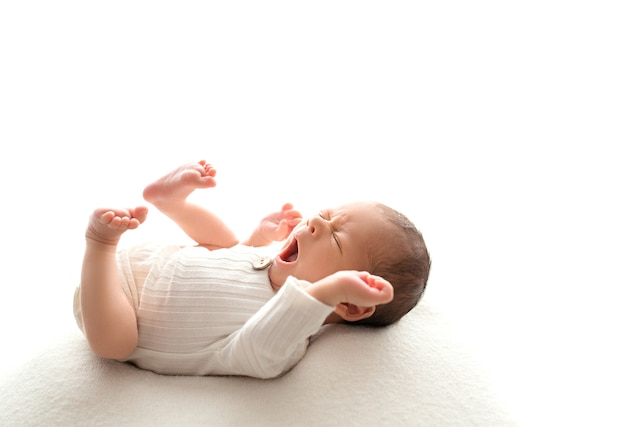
point(414, 373)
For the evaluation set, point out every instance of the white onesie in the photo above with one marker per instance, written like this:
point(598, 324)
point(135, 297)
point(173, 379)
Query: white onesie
point(202, 312)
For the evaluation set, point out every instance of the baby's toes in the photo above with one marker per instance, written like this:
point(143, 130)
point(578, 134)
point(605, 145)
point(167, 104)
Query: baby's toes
point(115, 222)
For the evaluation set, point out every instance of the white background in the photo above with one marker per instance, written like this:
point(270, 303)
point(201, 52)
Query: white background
point(498, 127)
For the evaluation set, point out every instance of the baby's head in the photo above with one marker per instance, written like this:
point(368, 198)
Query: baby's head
point(401, 257)
point(367, 236)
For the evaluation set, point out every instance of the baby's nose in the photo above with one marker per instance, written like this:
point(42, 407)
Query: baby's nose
point(314, 225)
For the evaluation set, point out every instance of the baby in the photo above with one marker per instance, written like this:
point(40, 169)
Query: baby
point(230, 308)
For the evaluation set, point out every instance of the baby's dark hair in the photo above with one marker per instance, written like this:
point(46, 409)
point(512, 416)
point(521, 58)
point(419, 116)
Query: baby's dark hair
point(403, 259)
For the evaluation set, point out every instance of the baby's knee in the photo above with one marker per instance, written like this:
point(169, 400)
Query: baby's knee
point(113, 347)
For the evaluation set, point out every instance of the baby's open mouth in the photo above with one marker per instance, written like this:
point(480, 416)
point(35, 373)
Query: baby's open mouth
point(290, 253)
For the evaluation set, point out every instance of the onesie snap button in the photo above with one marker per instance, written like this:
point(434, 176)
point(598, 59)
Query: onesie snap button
point(262, 263)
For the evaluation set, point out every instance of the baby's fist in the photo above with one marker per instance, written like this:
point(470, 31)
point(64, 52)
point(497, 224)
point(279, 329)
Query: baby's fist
point(354, 287)
point(366, 289)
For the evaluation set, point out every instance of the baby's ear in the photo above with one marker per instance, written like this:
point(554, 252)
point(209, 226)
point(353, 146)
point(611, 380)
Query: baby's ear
point(352, 313)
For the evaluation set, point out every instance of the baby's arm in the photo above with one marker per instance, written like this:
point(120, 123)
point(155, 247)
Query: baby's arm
point(275, 338)
point(275, 226)
point(169, 194)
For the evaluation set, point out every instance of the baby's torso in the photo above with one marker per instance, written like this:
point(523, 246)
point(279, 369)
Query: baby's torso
point(199, 297)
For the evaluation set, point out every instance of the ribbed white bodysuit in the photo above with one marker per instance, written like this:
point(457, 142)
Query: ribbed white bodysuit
point(202, 312)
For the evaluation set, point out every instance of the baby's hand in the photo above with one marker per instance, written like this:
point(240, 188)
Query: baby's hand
point(355, 287)
point(277, 226)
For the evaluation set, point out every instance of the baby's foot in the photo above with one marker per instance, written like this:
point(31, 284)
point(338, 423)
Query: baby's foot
point(178, 184)
point(107, 225)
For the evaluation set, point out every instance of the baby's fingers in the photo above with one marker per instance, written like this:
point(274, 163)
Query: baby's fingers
point(384, 288)
point(293, 222)
point(289, 212)
point(282, 228)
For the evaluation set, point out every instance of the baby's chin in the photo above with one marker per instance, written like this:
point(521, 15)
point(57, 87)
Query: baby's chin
point(277, 277)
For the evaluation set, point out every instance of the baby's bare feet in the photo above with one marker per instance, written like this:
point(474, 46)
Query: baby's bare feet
point(178, 184)
point(107, 225)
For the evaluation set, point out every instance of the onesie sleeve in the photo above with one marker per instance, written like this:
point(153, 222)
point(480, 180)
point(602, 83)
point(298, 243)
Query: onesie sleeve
point(274, 339)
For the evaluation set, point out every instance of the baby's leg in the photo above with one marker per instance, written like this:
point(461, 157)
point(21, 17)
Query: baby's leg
point(169, 195)
point(170, 191)
point(109, 319)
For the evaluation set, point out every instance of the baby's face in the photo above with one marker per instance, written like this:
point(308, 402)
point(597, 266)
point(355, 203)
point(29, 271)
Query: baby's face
point(336, 239)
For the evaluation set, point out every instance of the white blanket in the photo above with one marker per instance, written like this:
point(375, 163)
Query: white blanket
point(413, 373)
